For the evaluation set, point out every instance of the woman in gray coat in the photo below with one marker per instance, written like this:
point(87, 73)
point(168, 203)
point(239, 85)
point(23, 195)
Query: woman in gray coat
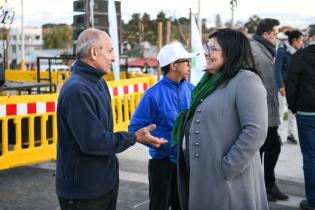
point(220, 135)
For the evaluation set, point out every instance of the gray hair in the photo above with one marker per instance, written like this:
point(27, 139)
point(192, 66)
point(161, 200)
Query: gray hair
point(88, 38)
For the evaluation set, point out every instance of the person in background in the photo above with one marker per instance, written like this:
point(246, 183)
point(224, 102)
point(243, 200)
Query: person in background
point(87, 167)
point(300, 94)
point(263, 46)
point(160, 105)
point(282, 38)
point(282, 60)
point(219, 136)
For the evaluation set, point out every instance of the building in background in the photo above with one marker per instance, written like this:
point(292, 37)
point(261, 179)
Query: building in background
point(33, 40)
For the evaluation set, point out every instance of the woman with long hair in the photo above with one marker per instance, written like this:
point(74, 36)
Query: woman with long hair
point(219, 136)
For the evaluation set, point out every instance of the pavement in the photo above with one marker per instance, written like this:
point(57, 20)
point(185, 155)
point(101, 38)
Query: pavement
point(32, 187)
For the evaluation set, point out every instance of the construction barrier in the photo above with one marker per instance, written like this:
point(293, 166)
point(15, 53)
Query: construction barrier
point(57, 77)
point(28, 128)
point(28, 123)
point(126, 95)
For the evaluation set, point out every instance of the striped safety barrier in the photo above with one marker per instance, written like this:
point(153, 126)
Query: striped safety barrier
point(29, 122)
point(21, 109)
point(128, 89)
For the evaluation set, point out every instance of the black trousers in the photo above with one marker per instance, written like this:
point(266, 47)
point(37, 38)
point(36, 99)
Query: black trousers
point(163, 190)
point(107, 201)
point(269, 152)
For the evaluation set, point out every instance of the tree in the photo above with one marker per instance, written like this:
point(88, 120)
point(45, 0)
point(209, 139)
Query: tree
point(135, 18)
point(161, 17)
point(204, 25)
point(183, 20)
point(143, 28)
point(57, 36)
point(218, 23)
point(130, 30)
point(252, 23)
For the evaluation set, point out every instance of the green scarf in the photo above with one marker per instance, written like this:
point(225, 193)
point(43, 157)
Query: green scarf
point(205, 87)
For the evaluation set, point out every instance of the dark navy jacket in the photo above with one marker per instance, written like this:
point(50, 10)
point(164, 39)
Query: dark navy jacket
point(282, 60)
point(87, 166)
point(301, 80)
point(161, 104)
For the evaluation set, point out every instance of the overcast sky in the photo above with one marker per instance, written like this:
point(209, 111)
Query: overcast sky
point(297, 13)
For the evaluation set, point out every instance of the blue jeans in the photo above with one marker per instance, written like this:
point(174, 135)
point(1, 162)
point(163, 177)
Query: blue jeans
point(306, 130)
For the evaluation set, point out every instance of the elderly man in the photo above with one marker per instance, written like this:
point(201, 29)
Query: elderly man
point(263, 46)
point(87, 167)
point(301, 99)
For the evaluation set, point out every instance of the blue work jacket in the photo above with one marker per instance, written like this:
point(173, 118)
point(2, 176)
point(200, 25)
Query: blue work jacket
point(161, 104)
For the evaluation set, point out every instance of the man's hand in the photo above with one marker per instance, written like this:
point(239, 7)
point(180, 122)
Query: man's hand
point(143, 136)
point(282, 91)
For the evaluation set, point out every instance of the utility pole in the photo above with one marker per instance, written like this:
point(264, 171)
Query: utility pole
point(17, 46)
point(160, 41)
point(7, 50)
point(199, 18)
point(91, 21)
point(189, 37)
point(233, 6)
point(141, 30)
point(7, 63)
point(22, 38)
point(168, 31)
point(120, 36)
point(87, 13)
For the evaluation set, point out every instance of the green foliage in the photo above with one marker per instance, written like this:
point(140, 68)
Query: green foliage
point(52, 25)
point(57, 36)
point(252, 23)
point(143, 28)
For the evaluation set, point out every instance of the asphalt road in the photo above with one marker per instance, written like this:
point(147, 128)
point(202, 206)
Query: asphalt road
point(29, 188)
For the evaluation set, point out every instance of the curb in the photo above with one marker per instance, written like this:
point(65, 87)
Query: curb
point(291, 186)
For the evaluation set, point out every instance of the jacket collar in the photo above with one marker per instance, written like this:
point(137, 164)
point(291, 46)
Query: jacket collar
point(290, 49)
point(171, 83)
point(87, 71)
point(265, 51)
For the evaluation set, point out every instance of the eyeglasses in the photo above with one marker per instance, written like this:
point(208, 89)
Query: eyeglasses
point(183, 61)
point(211, 49)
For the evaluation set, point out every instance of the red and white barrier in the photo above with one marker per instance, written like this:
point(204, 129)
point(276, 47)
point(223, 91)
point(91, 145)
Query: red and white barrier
point(128, 89)
point(27, 108)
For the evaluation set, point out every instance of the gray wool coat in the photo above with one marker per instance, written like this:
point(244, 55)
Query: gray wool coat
point(227, 130)
point(264, 64)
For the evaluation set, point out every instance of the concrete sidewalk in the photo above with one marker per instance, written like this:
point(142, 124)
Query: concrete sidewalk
point(289, 169)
